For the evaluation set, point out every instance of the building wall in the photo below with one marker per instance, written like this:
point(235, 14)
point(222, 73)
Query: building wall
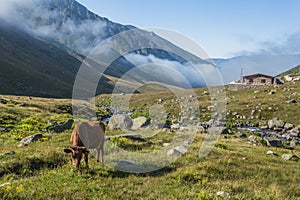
point(258, 81)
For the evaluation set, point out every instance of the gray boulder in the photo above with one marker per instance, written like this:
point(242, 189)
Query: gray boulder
point(139, 123)
point(291, 157)
point(253, 138)
point(175, 126)
point(275, 124)
point(3, 101)
point(10, 153)
point(291, 101)
point(120, 121)
point(128, 166)
point(33, 138)
point(242, 135)
point(199, 129)
point(180, 150)
point(272, 142)
point(62, 126)
point(288, 126)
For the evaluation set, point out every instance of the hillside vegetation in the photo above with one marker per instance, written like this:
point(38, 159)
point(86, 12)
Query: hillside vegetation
point(42, 170)
point(293, 71)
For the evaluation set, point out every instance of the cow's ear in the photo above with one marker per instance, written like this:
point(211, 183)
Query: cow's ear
point(68, 150)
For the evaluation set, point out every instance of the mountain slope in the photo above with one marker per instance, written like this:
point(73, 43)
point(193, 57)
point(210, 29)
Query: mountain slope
point(293, 71)
point(39, 48)
point(31, 66)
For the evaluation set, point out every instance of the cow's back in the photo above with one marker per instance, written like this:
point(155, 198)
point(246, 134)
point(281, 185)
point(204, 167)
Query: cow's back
point(91, 133)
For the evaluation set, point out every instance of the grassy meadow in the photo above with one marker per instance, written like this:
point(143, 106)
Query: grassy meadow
point(43, 171)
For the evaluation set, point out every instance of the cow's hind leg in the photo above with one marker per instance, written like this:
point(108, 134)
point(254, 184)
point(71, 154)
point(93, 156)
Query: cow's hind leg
point(102, 154)
point(98, 155)
point(86, 159)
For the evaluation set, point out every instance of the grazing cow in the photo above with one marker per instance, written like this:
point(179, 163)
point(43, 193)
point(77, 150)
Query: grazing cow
point(86, 135)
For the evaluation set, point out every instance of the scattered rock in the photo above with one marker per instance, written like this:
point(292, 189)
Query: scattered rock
point(166, 144)
point(295, 132)
point(33, 138)
point(271, 142)
point(180, 150)
point(139, 123)
point(128, 136)
point(175, 127)
point(275, 123)
point(62, 126)
point(22, 145)
point(291, 157)
point(272, 92)
point(127, 165)
point(253, 138)
point(242, 135)
point(224, 194)
point(199, 129)
point(3, 101)
point(120, 121)
point(264, 127)
point(291, 101)
point(272, 153)
point(8, 153)
point(4, 184)
point(288, 126)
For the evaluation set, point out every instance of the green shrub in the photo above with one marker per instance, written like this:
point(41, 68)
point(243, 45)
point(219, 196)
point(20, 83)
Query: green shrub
point(120, 141)
point(220, 145)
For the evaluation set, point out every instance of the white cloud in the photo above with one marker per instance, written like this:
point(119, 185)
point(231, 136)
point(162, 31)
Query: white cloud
point(172, 72)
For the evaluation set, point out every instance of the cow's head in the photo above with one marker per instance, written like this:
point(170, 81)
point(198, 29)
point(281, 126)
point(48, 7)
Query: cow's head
point(76, 154)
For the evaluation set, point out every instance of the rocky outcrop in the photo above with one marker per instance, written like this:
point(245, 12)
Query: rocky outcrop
point(33, 138)
point(180, 150)
point(58, 128)
point(120, 122)
point(275, 124)
point(291, 157)
point(139, 123)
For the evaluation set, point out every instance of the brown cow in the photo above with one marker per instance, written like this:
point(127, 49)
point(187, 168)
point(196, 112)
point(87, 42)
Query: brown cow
point(86, 135)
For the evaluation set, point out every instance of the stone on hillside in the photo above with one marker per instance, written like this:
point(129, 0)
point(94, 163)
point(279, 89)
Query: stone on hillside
point(295, 132)
point(271, 142)
point(62, 126)
point(263, 127)
point(10, 153)
point(120, 121)
point(291, 101)
point(272, 92)
point(288, 126)
point(180, 150)
point(175, 126)
point(223, 194)
point(139, 123)
point(127, 165)
point(166, 144)
point(275, 123)
point(292, 157)
point(199, 129)
point(242, 135)
point(3, 101)
point(27, 140)
point(253, 138)
point(271, 153)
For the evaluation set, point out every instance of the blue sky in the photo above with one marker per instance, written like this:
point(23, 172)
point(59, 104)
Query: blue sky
point(224, 28)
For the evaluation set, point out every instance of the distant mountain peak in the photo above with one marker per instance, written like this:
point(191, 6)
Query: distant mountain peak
point(64, 21)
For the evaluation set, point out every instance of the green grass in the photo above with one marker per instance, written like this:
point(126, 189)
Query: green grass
point(43, 171)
